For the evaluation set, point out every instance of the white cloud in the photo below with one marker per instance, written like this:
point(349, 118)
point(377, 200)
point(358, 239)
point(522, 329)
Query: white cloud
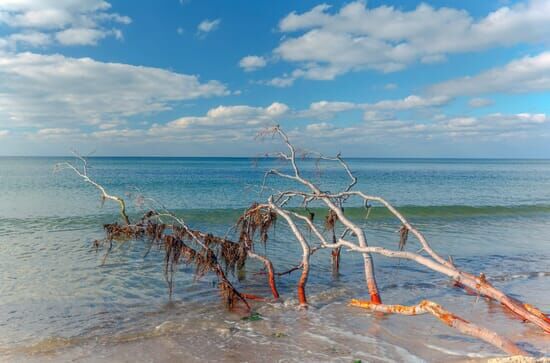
point(225, 125)
point(457, 129)
point(370, 116)
point(222, 122)
point(319, 127)
point(333, 106)
point(80, 36)
point(480, 102)
point(123, 135)
point(537, 118)
point(390, 86)
point(410, 102)
point(65, 20)
point(326, 109)
point(207, 26)
point(388, 39)
point(492, 125)
point(55, 132)
point(49, 91)
point(281, 82)
point(528, 74)
point(252, 63)
point(4, 133)
point(33, 38)
point(109, 125)
point(381, 122)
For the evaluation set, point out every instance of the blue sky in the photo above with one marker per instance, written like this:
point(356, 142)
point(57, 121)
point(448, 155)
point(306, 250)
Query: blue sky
point(194, 78)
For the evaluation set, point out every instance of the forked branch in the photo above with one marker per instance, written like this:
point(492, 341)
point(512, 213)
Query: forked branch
point(84, 175)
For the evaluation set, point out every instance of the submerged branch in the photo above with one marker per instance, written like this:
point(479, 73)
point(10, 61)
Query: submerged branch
point(450, 319)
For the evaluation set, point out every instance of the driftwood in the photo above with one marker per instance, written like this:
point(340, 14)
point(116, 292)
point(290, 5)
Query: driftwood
point(84, 175)
point(182, 244)
point(452, 320)
point(209, 253)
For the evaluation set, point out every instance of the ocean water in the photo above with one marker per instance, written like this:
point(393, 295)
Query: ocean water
point(58, 302)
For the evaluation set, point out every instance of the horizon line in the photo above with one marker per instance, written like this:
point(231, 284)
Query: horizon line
point(271, 157)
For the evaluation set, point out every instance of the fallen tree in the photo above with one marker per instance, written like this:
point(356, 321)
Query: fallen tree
point(181, 244)
point(220, 255)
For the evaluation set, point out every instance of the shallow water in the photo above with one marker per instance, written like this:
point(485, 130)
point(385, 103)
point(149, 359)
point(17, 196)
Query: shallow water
point(58, 303)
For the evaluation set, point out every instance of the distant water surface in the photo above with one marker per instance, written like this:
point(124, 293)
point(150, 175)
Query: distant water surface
point(57, 302)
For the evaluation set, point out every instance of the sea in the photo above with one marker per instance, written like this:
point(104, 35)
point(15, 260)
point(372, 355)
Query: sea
point(61, 301)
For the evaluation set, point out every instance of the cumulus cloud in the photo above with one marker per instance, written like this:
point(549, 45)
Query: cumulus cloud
point(31, 38)
point(54, 133)
point(326, 109)
point(528, 74)
point(481, 128)
point(53, 90)
point(225, 125)
point(492, 125)
point(240, 118)
point(326, 44)
point(333, 106)
point(207, 26)
point(80, 36)
point(252, 63)
point(281, 82)
point(410, 102)
point(75, 22)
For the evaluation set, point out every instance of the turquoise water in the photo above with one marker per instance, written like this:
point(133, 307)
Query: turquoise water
point(57, 298)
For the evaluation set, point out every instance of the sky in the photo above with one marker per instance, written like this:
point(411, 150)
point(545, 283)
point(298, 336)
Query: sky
point(203, 78)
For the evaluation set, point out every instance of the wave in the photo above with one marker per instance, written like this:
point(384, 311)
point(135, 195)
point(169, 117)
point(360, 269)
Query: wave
point(228, 216)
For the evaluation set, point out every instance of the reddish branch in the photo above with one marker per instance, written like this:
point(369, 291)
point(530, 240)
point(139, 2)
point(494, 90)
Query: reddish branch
point(450, 319)
point(270, 272)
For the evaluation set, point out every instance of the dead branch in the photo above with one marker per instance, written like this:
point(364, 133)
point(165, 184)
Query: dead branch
point(433, 261)
point(450, 319)
point(209, 253)
point(316, 194)
point(84, 175)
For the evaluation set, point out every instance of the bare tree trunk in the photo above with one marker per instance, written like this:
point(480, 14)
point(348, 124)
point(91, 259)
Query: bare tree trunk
point(305, 251)
point(317, 194)
point(335, 262)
